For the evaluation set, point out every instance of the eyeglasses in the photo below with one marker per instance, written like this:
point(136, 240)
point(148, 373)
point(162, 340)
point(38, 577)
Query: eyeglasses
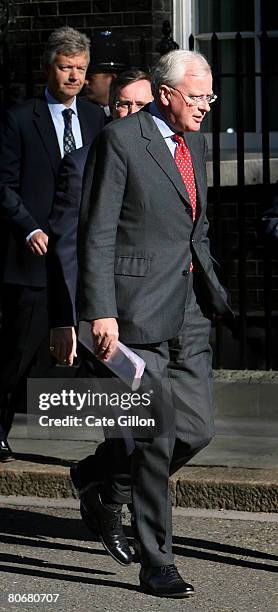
point(126, 105)
point(197, 99)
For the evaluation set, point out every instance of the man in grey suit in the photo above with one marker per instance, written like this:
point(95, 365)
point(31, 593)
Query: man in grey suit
point(129, 92)
point(147, 278)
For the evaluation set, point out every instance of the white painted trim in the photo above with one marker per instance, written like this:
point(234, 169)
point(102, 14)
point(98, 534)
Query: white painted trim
point(185, 20)
point(182, 22)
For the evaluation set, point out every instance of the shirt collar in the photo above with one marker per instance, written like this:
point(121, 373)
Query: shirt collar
point(165, 128)
point(57, 107)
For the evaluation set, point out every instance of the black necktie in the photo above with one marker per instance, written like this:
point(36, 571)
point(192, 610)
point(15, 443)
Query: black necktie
point(69, 142)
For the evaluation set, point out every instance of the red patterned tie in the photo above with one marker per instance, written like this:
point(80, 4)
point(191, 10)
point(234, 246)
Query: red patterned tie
point(184, 164)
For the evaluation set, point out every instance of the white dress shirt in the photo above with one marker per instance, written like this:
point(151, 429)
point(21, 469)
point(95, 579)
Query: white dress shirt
point(165, 129)
point(56, 109)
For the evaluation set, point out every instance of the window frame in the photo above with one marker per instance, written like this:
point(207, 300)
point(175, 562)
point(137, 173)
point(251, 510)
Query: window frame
point(185, 22)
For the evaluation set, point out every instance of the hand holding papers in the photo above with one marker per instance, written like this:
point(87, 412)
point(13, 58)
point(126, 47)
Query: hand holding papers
point(126, 364)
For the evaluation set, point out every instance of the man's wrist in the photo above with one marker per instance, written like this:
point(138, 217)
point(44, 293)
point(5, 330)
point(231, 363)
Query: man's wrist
point(32, 233)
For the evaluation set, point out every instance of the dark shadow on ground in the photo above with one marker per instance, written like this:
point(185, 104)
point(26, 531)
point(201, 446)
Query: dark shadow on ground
point(34, 528)
point(43, 459)
point(25, 571)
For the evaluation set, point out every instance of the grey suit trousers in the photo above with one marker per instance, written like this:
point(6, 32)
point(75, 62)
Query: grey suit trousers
point(183, 367)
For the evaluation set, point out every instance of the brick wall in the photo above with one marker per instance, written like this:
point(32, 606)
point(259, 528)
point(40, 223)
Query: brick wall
point(137, 21)
point(225, 244)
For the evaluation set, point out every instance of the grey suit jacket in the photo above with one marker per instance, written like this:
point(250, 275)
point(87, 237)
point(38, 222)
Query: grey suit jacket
point(136, 235)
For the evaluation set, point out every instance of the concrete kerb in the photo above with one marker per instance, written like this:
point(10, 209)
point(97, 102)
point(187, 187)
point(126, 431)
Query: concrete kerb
point(222, 488)
point(210, 485)
point(253, 490)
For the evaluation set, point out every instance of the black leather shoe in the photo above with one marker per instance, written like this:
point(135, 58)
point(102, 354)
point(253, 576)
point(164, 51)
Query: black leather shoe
point(107, 523)
point(164, 581)
point(5, 451)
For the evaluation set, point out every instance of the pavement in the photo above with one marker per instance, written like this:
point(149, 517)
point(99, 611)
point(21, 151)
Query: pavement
point(50, 562)
point(237, 471)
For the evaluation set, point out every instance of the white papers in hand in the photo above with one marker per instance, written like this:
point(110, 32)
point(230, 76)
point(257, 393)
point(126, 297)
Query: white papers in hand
point(126, 364)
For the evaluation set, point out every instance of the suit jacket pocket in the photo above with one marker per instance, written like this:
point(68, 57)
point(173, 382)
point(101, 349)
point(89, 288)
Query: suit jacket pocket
point(132, 266)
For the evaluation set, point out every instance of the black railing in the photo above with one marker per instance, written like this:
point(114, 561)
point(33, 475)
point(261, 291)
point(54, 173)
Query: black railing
point(254, 344)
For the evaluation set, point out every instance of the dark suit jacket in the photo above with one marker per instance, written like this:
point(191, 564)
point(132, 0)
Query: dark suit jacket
point(61, 257)
point(136, 235)
point(29, 162)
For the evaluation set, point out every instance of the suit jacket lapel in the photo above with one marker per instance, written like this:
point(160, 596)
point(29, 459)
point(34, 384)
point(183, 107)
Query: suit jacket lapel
point(46, 129)
point(85, 124)
point(158, 149)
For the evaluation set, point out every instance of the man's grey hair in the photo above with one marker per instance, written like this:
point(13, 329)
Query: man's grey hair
point(124, 79)
point(67, 41)
point(171, 68)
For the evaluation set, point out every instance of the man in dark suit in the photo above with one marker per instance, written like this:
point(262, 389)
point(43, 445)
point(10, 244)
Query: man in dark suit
point(146, 277)
point(34, 138)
